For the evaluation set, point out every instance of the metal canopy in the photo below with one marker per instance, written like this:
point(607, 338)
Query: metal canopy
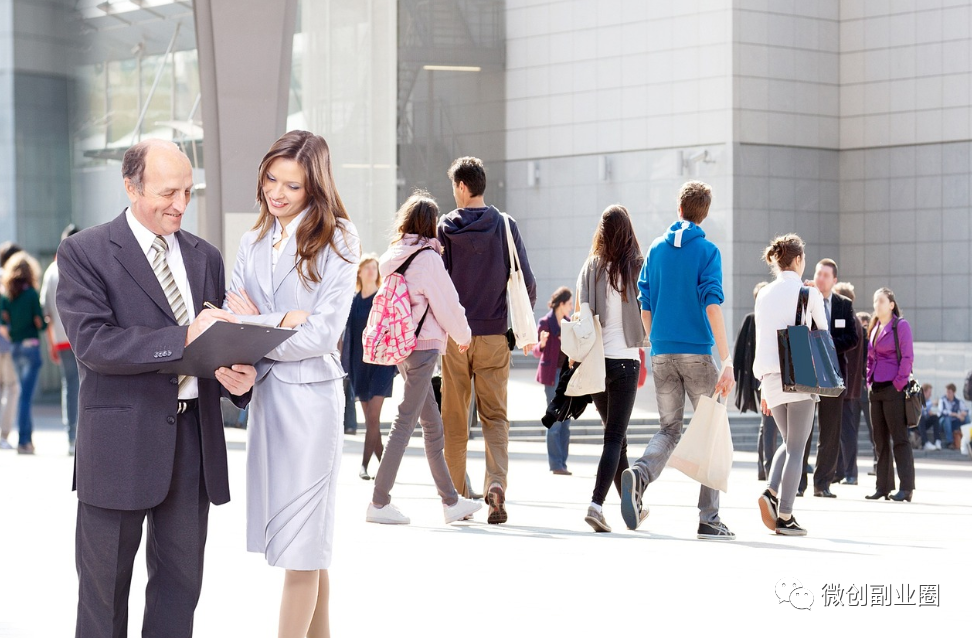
point(114, 30)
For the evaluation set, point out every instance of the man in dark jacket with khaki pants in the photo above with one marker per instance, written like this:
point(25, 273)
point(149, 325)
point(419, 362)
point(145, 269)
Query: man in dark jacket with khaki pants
point(474, 250)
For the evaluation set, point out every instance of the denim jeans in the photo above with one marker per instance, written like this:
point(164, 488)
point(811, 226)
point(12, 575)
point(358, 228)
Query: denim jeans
point(558, 436)
point(70, 386)
point(950, 424)
point(675, 376)
point(615, 405)
point(27, 360)
point(930, 421)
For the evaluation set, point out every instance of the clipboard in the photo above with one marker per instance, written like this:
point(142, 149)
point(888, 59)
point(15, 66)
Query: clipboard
point(224, 344)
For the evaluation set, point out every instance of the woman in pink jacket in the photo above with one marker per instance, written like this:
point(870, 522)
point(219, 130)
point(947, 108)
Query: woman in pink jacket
point(438, 315)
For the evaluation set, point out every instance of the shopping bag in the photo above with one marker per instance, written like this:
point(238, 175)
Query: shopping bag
point(590, 375)
point(577, 336)
point(704, 452)
point(808, 358)
point(521, 310)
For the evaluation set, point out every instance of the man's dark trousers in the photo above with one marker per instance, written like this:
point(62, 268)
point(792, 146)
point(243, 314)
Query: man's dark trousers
point(107, 541)
point(830, 413)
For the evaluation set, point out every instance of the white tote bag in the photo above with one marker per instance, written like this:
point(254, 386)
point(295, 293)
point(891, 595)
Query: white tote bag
point(589, 378)
point(518, 299)
point(577, 337)
point(705, 451)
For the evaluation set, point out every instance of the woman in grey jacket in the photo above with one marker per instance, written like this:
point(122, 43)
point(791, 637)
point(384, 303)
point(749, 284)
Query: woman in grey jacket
point(296, 269)
point(609, 283)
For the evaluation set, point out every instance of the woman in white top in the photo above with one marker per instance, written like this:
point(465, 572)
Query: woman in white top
point(776, 308)
point(609, 283)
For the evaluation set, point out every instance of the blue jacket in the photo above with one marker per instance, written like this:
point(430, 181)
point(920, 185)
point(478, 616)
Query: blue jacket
point(682, 275)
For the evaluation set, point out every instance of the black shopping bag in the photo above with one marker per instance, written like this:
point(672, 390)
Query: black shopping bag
point(808, 358)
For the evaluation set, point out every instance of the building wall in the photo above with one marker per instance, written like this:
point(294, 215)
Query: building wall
point(906, 109)
point(348, 97)
point(778, 190)
point(786, 73)
point(632, 84)
point(8, 222)
point(42, 45)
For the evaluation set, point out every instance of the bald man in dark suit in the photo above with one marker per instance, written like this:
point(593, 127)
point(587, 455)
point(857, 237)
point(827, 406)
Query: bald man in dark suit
point(149, 445)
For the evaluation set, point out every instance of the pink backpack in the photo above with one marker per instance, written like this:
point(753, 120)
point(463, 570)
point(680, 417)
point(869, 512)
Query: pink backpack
point(389, 337)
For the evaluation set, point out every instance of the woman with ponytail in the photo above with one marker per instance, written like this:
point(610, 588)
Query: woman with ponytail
point(776, 308)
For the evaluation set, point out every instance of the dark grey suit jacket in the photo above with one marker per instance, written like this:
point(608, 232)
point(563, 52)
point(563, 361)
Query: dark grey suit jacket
point(122, 330)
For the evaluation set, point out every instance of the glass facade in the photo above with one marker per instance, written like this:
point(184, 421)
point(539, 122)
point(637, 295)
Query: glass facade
point(451, 97)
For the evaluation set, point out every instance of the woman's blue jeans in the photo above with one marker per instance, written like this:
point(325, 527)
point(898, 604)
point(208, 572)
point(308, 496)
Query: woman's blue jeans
point(558, 436)
point(27, 361)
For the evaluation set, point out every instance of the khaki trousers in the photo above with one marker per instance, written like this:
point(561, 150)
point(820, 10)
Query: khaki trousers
point(488, 362)
point(9, 394)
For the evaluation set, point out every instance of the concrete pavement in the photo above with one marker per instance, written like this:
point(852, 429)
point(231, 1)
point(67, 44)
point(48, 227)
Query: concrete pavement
point(546, 572)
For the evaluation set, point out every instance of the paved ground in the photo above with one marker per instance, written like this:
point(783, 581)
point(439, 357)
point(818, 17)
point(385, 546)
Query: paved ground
point(545, 573)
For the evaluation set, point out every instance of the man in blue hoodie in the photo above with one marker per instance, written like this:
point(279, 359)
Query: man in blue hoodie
point(474, 250)
point(681, 298)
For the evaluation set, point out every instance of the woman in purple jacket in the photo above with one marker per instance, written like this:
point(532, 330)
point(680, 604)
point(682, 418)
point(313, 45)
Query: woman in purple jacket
point(548, 373)
point(888, 368)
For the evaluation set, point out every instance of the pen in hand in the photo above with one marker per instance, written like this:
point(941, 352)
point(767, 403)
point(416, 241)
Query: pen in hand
point(209, 305)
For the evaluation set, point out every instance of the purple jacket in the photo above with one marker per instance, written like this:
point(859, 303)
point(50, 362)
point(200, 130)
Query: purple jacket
point(550, 354)
point(882, 358)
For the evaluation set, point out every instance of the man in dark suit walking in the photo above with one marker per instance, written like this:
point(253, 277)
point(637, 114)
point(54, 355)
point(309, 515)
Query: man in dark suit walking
point(843, 329)
point(149, 445)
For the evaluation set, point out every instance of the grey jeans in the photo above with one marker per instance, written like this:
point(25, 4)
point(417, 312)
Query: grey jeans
point(675, 376)
point(417, 404)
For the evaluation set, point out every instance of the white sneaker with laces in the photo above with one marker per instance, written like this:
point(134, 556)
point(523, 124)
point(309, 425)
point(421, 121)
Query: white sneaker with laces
point(462, 510)
point(387, 515)
point(929, 445)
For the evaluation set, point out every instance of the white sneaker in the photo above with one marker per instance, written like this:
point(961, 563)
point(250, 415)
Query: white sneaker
point(929, 445)
point(462, 510)
point(387, 515)
point(938, 445)
point(5, 445)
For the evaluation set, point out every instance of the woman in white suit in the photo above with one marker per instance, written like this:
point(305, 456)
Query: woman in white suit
point(296, 269)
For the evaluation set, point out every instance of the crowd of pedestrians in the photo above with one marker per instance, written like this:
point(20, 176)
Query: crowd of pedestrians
point(301, 268)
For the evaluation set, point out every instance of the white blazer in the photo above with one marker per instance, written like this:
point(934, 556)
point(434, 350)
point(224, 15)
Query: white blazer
point(311, 355)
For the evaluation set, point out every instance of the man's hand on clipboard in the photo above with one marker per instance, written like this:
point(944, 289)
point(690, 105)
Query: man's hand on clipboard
point(205, 319)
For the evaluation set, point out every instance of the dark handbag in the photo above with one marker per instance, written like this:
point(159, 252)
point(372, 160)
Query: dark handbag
point(808, 358)
point(914, 397)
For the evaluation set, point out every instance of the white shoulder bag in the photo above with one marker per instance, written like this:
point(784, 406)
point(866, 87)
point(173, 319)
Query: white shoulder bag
point(577, 337)
point(518, 299)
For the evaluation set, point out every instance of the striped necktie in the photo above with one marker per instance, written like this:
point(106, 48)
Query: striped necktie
point(161, 269)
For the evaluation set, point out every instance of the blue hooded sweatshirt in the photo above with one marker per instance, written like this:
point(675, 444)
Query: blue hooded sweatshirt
point(681, 276)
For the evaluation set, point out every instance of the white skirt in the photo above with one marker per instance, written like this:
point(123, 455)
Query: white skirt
point(771, 389)
point(294, 442)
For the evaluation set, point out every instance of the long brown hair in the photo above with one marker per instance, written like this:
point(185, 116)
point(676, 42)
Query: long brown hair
point(324, 205)
point(895, 311)
point(19, 273)
point(617, 249)
point(417, 216)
